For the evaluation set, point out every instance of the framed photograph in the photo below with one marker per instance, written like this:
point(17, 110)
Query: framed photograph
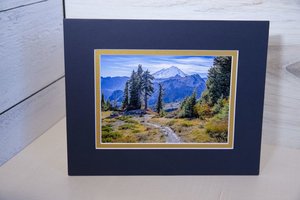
point(164, 97)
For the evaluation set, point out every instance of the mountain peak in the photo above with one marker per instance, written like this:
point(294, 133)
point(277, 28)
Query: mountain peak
point(169, 72)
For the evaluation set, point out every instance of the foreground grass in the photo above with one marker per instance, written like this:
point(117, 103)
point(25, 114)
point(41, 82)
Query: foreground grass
point(105, 114)
point(190, 131)
point(132, 129)
point(129, 129)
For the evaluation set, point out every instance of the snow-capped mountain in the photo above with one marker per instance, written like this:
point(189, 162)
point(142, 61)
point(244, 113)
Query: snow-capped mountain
point(169, 72)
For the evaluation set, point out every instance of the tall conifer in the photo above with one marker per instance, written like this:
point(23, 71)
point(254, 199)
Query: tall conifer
point(133, 91)
point(188, 106)
point(125, 101)
point(108, 105)
point(103, 105)
point(139, 85)
point(218, 80)
point(147, 87)
point(159, 102)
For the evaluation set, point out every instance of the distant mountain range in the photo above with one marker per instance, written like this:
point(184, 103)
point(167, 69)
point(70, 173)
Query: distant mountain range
point(177, 88)
point(176, 83)
point(111, 84)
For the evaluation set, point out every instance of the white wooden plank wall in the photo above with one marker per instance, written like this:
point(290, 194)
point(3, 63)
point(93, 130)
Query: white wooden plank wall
point(31, 54)
point(282, 95)
point(31, 71)
point(29, 119)
point(31, 50)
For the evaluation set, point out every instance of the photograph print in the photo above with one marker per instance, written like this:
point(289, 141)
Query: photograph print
point(165, 98)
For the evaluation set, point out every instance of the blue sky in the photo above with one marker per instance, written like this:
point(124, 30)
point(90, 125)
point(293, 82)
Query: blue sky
point(122, 65)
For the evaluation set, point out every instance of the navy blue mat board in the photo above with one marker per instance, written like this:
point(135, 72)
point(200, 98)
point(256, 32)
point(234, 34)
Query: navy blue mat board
point(83, 36)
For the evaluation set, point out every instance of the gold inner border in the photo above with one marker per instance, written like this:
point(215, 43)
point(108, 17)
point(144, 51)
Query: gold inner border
point(229, 145)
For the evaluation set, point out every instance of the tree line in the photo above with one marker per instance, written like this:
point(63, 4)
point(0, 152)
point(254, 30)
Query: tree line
point(217, 89)
point(107, 105)
point(137, 91)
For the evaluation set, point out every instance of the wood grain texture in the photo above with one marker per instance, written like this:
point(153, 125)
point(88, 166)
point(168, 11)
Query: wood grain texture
point(282, 98)
point(31, 49)
point(294, 68)
point(282, 95)
point(28, 120)
point(283, 14)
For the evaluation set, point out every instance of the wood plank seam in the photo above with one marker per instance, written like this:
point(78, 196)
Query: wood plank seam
point(32, 94)
point(64, 9)
point(20, 6)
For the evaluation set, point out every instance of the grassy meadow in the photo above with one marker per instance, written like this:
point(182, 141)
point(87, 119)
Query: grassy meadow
point(128, 129)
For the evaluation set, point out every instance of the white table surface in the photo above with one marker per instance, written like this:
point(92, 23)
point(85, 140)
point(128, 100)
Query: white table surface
point(40, 172)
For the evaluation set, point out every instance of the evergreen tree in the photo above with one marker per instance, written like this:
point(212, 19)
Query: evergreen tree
point(134, 91)
point(108, 105)
point(193, 100)
point(183, 102)
point(159, 102)
point(147, 86)
point(218, 81)
point(115, 105)
point(103, 104)
point(218, 106)
point(139, 84)
point(125, 101)
point(188, 107)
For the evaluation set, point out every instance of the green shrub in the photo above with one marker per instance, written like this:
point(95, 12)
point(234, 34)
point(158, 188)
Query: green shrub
point(124, 117)
point(203, 110)
point(141, 137)
point(109, 120)
point(136, 131)
point(200, 136)
point(127, 126)
point(162, 113)
point(201, 126)
point(106, 140)
point(218, 106)
point(130, 121)
point(107, 128)
point(171, 123)
point(217, 129)
point(224, 112)
point(129, 139)
point(108, 137)
point(186, 124)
